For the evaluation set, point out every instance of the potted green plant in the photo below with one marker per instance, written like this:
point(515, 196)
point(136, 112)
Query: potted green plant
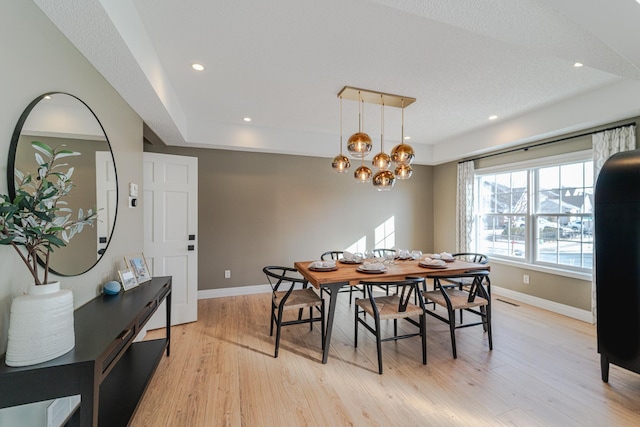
point(35, 222)
point(38, 219)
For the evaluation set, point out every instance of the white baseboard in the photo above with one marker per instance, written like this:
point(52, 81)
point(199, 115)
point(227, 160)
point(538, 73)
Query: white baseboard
point(565, 310)
point(232, 292)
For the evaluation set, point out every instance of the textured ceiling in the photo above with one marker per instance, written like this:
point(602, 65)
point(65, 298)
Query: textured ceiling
point(282, 63)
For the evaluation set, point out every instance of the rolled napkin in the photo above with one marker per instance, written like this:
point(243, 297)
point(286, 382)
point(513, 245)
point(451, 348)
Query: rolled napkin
point(323, 264)
point(446, 256)
point(347, 256)
point(372, 266)
point(432, 256)
point(434, 262)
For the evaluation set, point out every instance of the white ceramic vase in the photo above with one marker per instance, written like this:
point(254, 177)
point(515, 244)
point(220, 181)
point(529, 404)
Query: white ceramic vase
point(40, 325)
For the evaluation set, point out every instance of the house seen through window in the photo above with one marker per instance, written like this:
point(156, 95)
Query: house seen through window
point(537, 214)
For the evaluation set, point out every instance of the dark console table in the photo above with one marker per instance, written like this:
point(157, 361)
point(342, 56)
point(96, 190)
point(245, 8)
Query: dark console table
point(106, 368)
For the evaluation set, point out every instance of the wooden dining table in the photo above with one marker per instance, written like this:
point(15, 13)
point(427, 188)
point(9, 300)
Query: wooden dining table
point(348, 275)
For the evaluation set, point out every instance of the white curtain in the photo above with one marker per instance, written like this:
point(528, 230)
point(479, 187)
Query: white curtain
point(464, 207)
point(606, 144)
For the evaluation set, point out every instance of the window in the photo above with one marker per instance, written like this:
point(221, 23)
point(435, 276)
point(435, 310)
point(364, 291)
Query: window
point(540, 214)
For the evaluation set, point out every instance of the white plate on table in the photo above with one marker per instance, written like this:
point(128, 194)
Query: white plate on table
point(323, 268)
point(437, 267)
point(371, 271)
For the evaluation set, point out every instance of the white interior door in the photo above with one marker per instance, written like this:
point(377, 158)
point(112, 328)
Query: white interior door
point(170, 193)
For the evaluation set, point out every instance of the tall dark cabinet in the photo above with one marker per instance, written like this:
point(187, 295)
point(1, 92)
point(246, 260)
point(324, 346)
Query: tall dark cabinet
point(617, 262)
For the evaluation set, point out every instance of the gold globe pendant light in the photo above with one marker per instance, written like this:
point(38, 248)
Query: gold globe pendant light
point(403, 155)
point(384, 179)
point(359, 144)
point(382, 160)
point(362, 173)
point(340, 162)
point(403, 171)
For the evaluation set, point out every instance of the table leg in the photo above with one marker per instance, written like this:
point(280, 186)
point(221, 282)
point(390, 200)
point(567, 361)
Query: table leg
point(334, 288)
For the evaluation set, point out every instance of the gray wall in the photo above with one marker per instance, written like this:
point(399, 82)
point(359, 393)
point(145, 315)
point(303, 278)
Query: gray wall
point(40, 59)
point(259, 209)
point(37, 58)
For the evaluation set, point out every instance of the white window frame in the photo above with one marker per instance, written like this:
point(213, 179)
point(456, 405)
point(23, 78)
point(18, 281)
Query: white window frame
point(530, 238)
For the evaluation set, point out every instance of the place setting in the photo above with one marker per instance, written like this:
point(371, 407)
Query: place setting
point(436, 261)
point(328, 265)
point(372, 267)
point(351, 258)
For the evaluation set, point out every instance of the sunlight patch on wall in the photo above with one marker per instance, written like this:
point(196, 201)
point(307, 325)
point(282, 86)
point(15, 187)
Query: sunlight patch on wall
point(358, 246)
point(385, 234)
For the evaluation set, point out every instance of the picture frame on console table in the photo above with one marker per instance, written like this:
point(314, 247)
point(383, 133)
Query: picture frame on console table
point(127, 278)
point(138, 265)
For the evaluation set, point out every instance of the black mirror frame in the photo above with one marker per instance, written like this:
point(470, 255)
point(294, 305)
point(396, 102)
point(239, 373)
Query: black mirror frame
point(11, 164)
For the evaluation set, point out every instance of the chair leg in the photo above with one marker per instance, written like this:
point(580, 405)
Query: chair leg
point(452, 330)
point(322, 326)
point(355, 331)
point(483, 310)
point(423, 335)
point(350, 294)
point(379, 345)
point(489, 326)
point(311, 318)
point(273, 319)
point(278, 329)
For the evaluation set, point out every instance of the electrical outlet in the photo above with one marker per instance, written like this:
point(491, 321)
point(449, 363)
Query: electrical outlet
point(525, 279)
point(227, 274)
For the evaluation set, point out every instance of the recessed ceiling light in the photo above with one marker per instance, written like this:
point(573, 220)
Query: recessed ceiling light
point(247, 119)
point(580, 64)
point(493, 117)
point(197, 67)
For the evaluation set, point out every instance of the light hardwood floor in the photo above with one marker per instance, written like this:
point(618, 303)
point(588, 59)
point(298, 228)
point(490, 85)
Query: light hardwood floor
point(544, 370)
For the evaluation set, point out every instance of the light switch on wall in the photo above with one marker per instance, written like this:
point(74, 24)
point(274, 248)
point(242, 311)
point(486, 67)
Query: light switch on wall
point(133, 189)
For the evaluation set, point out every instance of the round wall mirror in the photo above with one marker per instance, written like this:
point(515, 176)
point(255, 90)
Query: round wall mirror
point(62, 119)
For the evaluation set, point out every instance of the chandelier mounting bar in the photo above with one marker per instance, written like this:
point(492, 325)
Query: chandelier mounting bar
point(373, 97)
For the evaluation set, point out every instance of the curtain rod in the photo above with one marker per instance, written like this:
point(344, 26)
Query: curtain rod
point(540, 144)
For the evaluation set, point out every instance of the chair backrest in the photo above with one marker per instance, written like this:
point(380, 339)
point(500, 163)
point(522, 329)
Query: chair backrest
point(331, 255)
point(472, 257)
point(277, 275)
point(406, 289)
point(476, 286)
point(382, 252)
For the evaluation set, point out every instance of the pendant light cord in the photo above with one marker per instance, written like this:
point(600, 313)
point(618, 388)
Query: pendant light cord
point(402, 126)
point(381, 123)
point(341, 125)
point(360, 108)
